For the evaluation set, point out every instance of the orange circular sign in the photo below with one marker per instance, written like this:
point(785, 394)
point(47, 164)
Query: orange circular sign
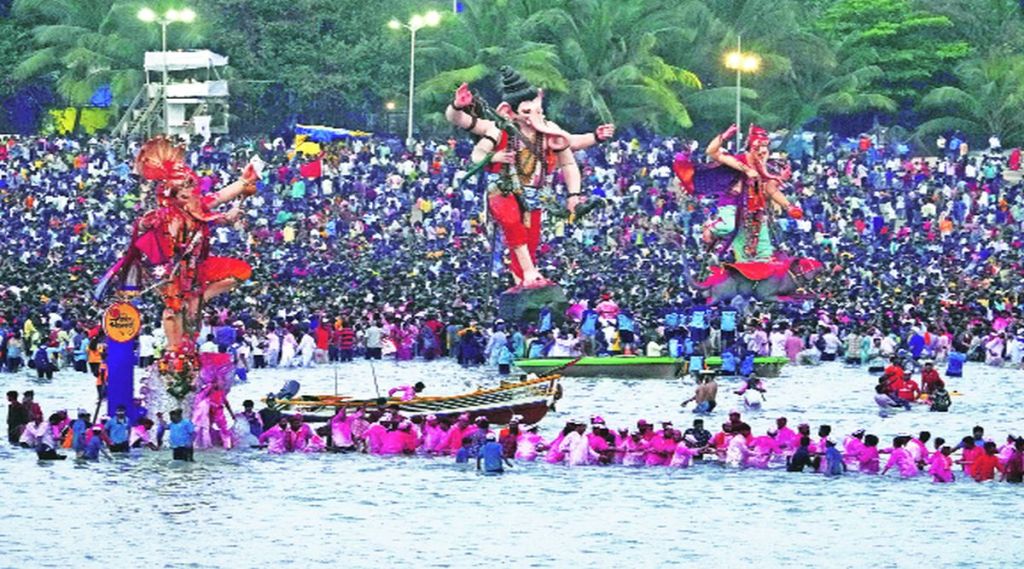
point(122, 322)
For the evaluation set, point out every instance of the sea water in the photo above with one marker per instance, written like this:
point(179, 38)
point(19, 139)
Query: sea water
point(244, 508)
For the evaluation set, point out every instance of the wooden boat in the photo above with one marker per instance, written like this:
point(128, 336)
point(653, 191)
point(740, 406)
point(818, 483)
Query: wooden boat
point(632, 367)
point(639, 367)
point(530, 398)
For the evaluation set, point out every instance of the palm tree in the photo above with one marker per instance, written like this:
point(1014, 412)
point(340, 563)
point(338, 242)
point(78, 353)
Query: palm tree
point(85, 44)
point(989, 101)
point(608, 53)
point(485, 36)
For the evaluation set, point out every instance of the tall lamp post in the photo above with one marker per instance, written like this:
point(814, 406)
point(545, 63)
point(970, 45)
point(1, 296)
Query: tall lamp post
point(742, 63)
point(430, 19)
point(184, 16)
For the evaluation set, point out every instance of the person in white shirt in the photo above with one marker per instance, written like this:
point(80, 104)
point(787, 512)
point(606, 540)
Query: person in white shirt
point(576, 446)
point(209, 346)
point(273, 343)
point(147, 348)
point(307, 349)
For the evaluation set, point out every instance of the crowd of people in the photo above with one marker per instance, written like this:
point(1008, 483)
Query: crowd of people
point(388, 433)
point(381, 236)
point(373, 248)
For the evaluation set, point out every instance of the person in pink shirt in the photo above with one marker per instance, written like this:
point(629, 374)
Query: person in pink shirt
point(763, 448)
point(303, 437)
point(555, 453)
point(619, 452)
point(374, 436)
point(598, 439)
point(940, 465)
point(901, 459)
point(794, 345)
point(277, 438)
point(529, 444)
point(434, 435)
point(635, 449)
point(456, 433)
point(660, 448)
point(399, 440)
point(341, 431)
point(918, 449)
point(868, 459)
point(682, 455)
point(607, 308)
point(853, 445)
point(1006, 451)
point(407, 392)
point(787, 438)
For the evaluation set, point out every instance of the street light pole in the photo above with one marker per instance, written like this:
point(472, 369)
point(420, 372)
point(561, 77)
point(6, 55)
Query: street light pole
point(739, 84)
point(412, 76)
point(430, 19)
point(163, 83)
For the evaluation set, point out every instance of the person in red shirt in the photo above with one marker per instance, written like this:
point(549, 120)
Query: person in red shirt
point(986, 463)
point(908, 390)
point(322, 336)
point(930, 379)
point(970, 451)
point(893, 375)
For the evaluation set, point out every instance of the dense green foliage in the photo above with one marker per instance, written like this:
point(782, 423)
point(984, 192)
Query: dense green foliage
point(656, 65)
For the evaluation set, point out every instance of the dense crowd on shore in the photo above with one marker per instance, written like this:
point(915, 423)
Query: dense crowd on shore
point(372, 234)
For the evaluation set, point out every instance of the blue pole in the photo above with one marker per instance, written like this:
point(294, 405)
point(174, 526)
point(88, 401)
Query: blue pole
point(121, 324)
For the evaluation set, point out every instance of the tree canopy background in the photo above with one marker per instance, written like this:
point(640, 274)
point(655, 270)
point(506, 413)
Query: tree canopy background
point(649, 65)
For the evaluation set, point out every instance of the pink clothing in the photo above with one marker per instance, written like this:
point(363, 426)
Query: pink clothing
point(634, 452)
point(408, 392)
point(852, 448)
point(788, 439)
point(598, 444)
point(902, 460)
point(398, 442)
point(917, 450)
point(660, 451)
point(527, 446)
point(868, 460)
point(794, 345)
point(555, 453)
point(341, 431)
point(682, 456)
point(374, 437)
point(941, 468)
point(607, 309)
point(305, 440)
point(434, 439)
point(577, 450)
point(763, 448)
point(276, 439)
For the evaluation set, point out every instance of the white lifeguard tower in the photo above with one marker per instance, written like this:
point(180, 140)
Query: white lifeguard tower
point(196, 101)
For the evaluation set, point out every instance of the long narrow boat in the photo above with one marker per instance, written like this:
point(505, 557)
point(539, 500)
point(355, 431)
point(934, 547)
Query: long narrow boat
point(633, 367)
point(530, 398)
point(639, 367)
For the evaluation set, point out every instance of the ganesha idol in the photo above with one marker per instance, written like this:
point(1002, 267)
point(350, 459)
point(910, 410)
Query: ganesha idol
point(744, 187)
point(170, 245)
point(521, 149)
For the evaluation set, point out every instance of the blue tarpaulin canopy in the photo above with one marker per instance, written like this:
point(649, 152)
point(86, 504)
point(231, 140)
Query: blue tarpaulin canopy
point(321, 133)
point(102, 97)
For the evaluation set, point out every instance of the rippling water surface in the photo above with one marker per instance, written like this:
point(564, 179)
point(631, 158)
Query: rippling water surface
point(245, 508)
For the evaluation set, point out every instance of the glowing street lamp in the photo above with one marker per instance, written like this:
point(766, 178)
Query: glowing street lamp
point(416, 22)
point(742, 63)
point(184, 16)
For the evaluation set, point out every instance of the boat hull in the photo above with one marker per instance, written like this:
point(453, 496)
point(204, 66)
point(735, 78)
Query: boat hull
point(625, 367)
point(639, 367)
